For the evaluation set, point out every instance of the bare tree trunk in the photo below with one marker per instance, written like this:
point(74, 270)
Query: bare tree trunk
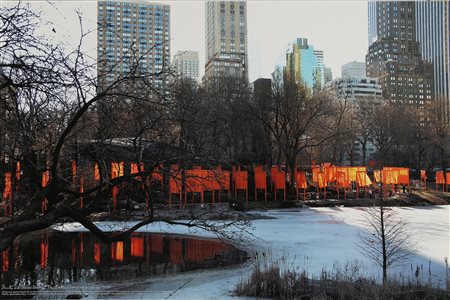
point(383, 237)
point(292, 168)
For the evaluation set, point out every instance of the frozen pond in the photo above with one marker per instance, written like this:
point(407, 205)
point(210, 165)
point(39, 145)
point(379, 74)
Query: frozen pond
point(58, 258)
point(313, 239)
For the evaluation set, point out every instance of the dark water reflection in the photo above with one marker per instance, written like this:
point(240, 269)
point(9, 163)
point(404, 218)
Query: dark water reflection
point(57, 258)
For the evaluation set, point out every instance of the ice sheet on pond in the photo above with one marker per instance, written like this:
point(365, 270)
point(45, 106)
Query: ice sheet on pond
point(315, 239)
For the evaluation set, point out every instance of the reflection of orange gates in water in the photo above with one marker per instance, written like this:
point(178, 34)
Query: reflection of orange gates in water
point(137, 246)
point(44, 251)
point(5, 260)
point(75, 255)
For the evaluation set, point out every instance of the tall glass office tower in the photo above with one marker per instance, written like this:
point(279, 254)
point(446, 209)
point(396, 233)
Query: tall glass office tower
point(433, 32)
point(303, 63)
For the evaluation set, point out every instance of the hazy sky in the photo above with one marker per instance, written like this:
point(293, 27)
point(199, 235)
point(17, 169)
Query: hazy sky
point(339, 28)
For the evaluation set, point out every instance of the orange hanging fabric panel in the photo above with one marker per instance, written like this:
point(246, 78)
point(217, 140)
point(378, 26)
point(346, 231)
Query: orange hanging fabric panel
point(368, 181)
point(115, 170)
point(352, 171)
point(345, 176)
point(81, 191)
point(362, 179)
point(330, 173)
point(377, 175)
point(224, 177)
point(321, 180)
point(300, 180)
point(213, 178)
point(137, 246)
point(74, 171)
point(157, 174)
point(7, 194)
point(175, 182)
point(403, 176)
point(341, 178)
point(18, 172)
point(391, 175)
point(423, 175)
point(193, 181)
point(440, 177)
point(45, 180)
point(260, 180)
point(96, 172)
point(241, 180)
point(315, 171)
point(7, 191)
point(205, 180)
point(121, 164)
point(134, 168)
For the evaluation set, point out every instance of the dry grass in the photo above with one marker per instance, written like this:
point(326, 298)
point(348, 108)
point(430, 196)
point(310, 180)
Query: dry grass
point(276, 279)
point(433, 197)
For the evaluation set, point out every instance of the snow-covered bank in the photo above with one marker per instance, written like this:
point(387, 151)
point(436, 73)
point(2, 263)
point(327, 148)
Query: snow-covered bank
point(310, 238)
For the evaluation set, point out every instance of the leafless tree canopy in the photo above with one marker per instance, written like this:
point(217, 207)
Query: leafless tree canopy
point(386, 240)
point(54, 112)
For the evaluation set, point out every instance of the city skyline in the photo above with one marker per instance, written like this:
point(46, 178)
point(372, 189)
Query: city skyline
point(325, 24)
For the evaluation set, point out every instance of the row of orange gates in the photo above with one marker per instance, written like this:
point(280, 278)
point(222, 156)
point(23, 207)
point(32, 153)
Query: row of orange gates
point(198, 180)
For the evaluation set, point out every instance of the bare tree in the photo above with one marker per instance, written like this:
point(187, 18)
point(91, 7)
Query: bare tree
point(58, 114)
point(385, 240)
point(417, 135)
point(364, 134)
point(298, 119)
point(386, 124)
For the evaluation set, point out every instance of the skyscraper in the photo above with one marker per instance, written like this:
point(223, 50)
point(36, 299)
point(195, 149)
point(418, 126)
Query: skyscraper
point(303, 63)
point(433, 32)
point(320, 66)
point(132, 33)
point(186, 63)
point(394, 55)
point(226, 39)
